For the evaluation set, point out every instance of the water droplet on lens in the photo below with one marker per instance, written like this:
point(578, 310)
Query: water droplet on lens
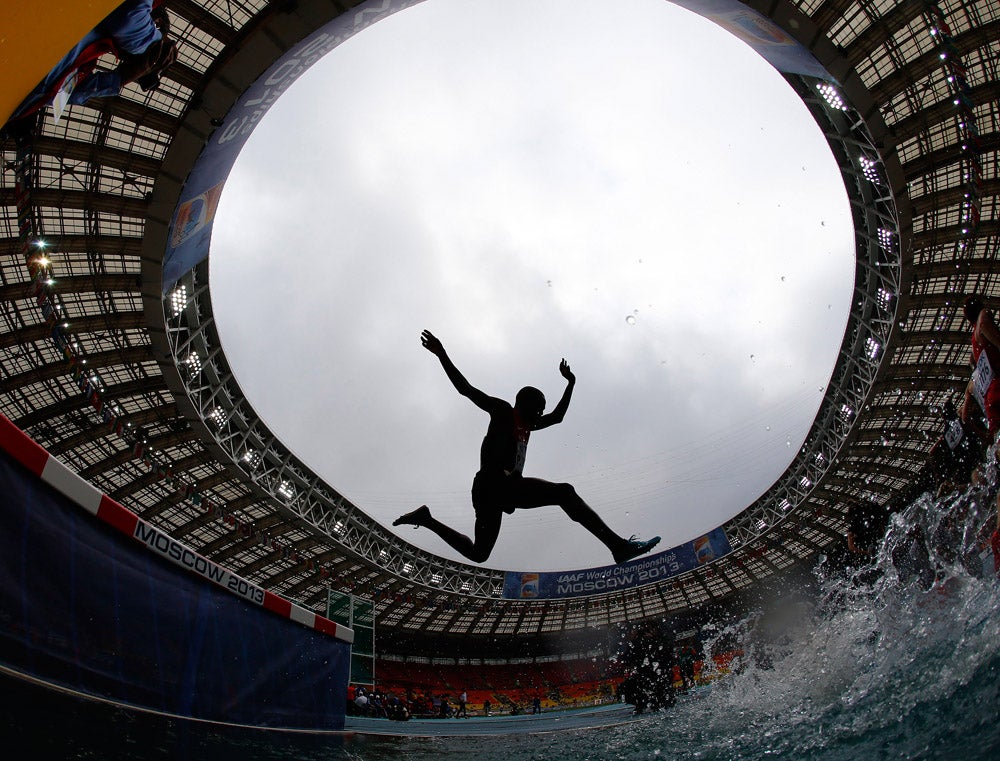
point(630, 320)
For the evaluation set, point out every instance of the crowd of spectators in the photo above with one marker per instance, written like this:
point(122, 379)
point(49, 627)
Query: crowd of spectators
point(421, 690)
point(376, 703)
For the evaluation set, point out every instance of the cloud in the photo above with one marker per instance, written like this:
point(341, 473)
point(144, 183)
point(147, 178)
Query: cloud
point(595, 188)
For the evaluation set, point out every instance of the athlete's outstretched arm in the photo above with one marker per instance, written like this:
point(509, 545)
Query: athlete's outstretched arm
point(466, 389)
point(559, 411)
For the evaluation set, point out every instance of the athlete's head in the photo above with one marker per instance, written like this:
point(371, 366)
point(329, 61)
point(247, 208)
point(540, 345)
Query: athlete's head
point(530, 402)
point(973, 305)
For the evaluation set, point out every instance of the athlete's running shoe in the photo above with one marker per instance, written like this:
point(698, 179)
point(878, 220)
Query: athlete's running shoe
point(635, 547)
point(417, 517)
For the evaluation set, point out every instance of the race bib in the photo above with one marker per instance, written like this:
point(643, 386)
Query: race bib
point(953, 434)
point(982, 377)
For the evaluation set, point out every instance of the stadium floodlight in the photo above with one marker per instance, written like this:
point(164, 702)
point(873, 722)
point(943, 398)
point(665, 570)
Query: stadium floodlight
point(869, 167)
point(872, 347)
point(218, 417)
point(178, 300)
point(831, 96)
point(885, 238)
point(884, 298)
point(286, 490)
point(407, 568)
point(193, 363)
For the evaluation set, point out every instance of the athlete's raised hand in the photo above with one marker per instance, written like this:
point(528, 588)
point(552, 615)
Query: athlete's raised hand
point(566, 372)
point(435, 347)
point(431, 343)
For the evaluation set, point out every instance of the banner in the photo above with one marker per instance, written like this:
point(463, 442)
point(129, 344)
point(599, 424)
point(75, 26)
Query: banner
point(87, 608)
point(770, 41)
point(613, 578)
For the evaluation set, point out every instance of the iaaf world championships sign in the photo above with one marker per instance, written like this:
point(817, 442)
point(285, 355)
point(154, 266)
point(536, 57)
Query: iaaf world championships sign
point(635, 573)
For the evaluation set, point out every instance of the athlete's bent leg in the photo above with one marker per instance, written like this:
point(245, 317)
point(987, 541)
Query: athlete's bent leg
point(536, 492)
point(478, 551)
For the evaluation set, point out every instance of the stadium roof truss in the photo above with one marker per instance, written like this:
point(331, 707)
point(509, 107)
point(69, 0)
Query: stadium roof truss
point(130, 387)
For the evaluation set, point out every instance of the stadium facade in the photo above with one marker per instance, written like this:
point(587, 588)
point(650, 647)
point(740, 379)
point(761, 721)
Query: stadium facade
point(112, 361)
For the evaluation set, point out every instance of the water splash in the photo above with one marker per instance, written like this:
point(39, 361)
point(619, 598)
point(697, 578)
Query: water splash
point(897, 656)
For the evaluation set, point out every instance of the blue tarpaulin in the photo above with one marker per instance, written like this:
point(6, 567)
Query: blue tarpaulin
point(84, 607)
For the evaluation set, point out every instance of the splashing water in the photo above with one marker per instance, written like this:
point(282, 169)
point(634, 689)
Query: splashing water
point(896, 658)
point(899, 658)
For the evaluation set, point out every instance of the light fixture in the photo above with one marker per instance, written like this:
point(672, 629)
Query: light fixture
point(872, 347)
point(218, 417)
point(869, 167)
point(193, 362)
point(831, 96)
point(178, 300)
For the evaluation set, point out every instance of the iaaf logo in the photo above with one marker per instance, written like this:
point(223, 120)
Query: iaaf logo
point(178, 553)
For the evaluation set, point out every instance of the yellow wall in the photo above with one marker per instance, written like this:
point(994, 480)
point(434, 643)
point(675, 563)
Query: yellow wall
point(34, 35)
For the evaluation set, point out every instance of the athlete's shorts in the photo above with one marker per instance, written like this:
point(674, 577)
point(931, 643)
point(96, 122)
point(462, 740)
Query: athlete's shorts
point(496, 491)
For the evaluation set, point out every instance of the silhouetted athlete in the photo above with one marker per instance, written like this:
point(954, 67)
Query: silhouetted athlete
point(499, 486)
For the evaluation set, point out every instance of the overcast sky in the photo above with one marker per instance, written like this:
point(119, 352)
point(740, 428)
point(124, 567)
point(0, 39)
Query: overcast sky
point(637, 192)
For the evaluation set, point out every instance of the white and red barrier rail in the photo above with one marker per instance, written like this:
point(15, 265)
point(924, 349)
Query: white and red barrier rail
point(51, 471)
